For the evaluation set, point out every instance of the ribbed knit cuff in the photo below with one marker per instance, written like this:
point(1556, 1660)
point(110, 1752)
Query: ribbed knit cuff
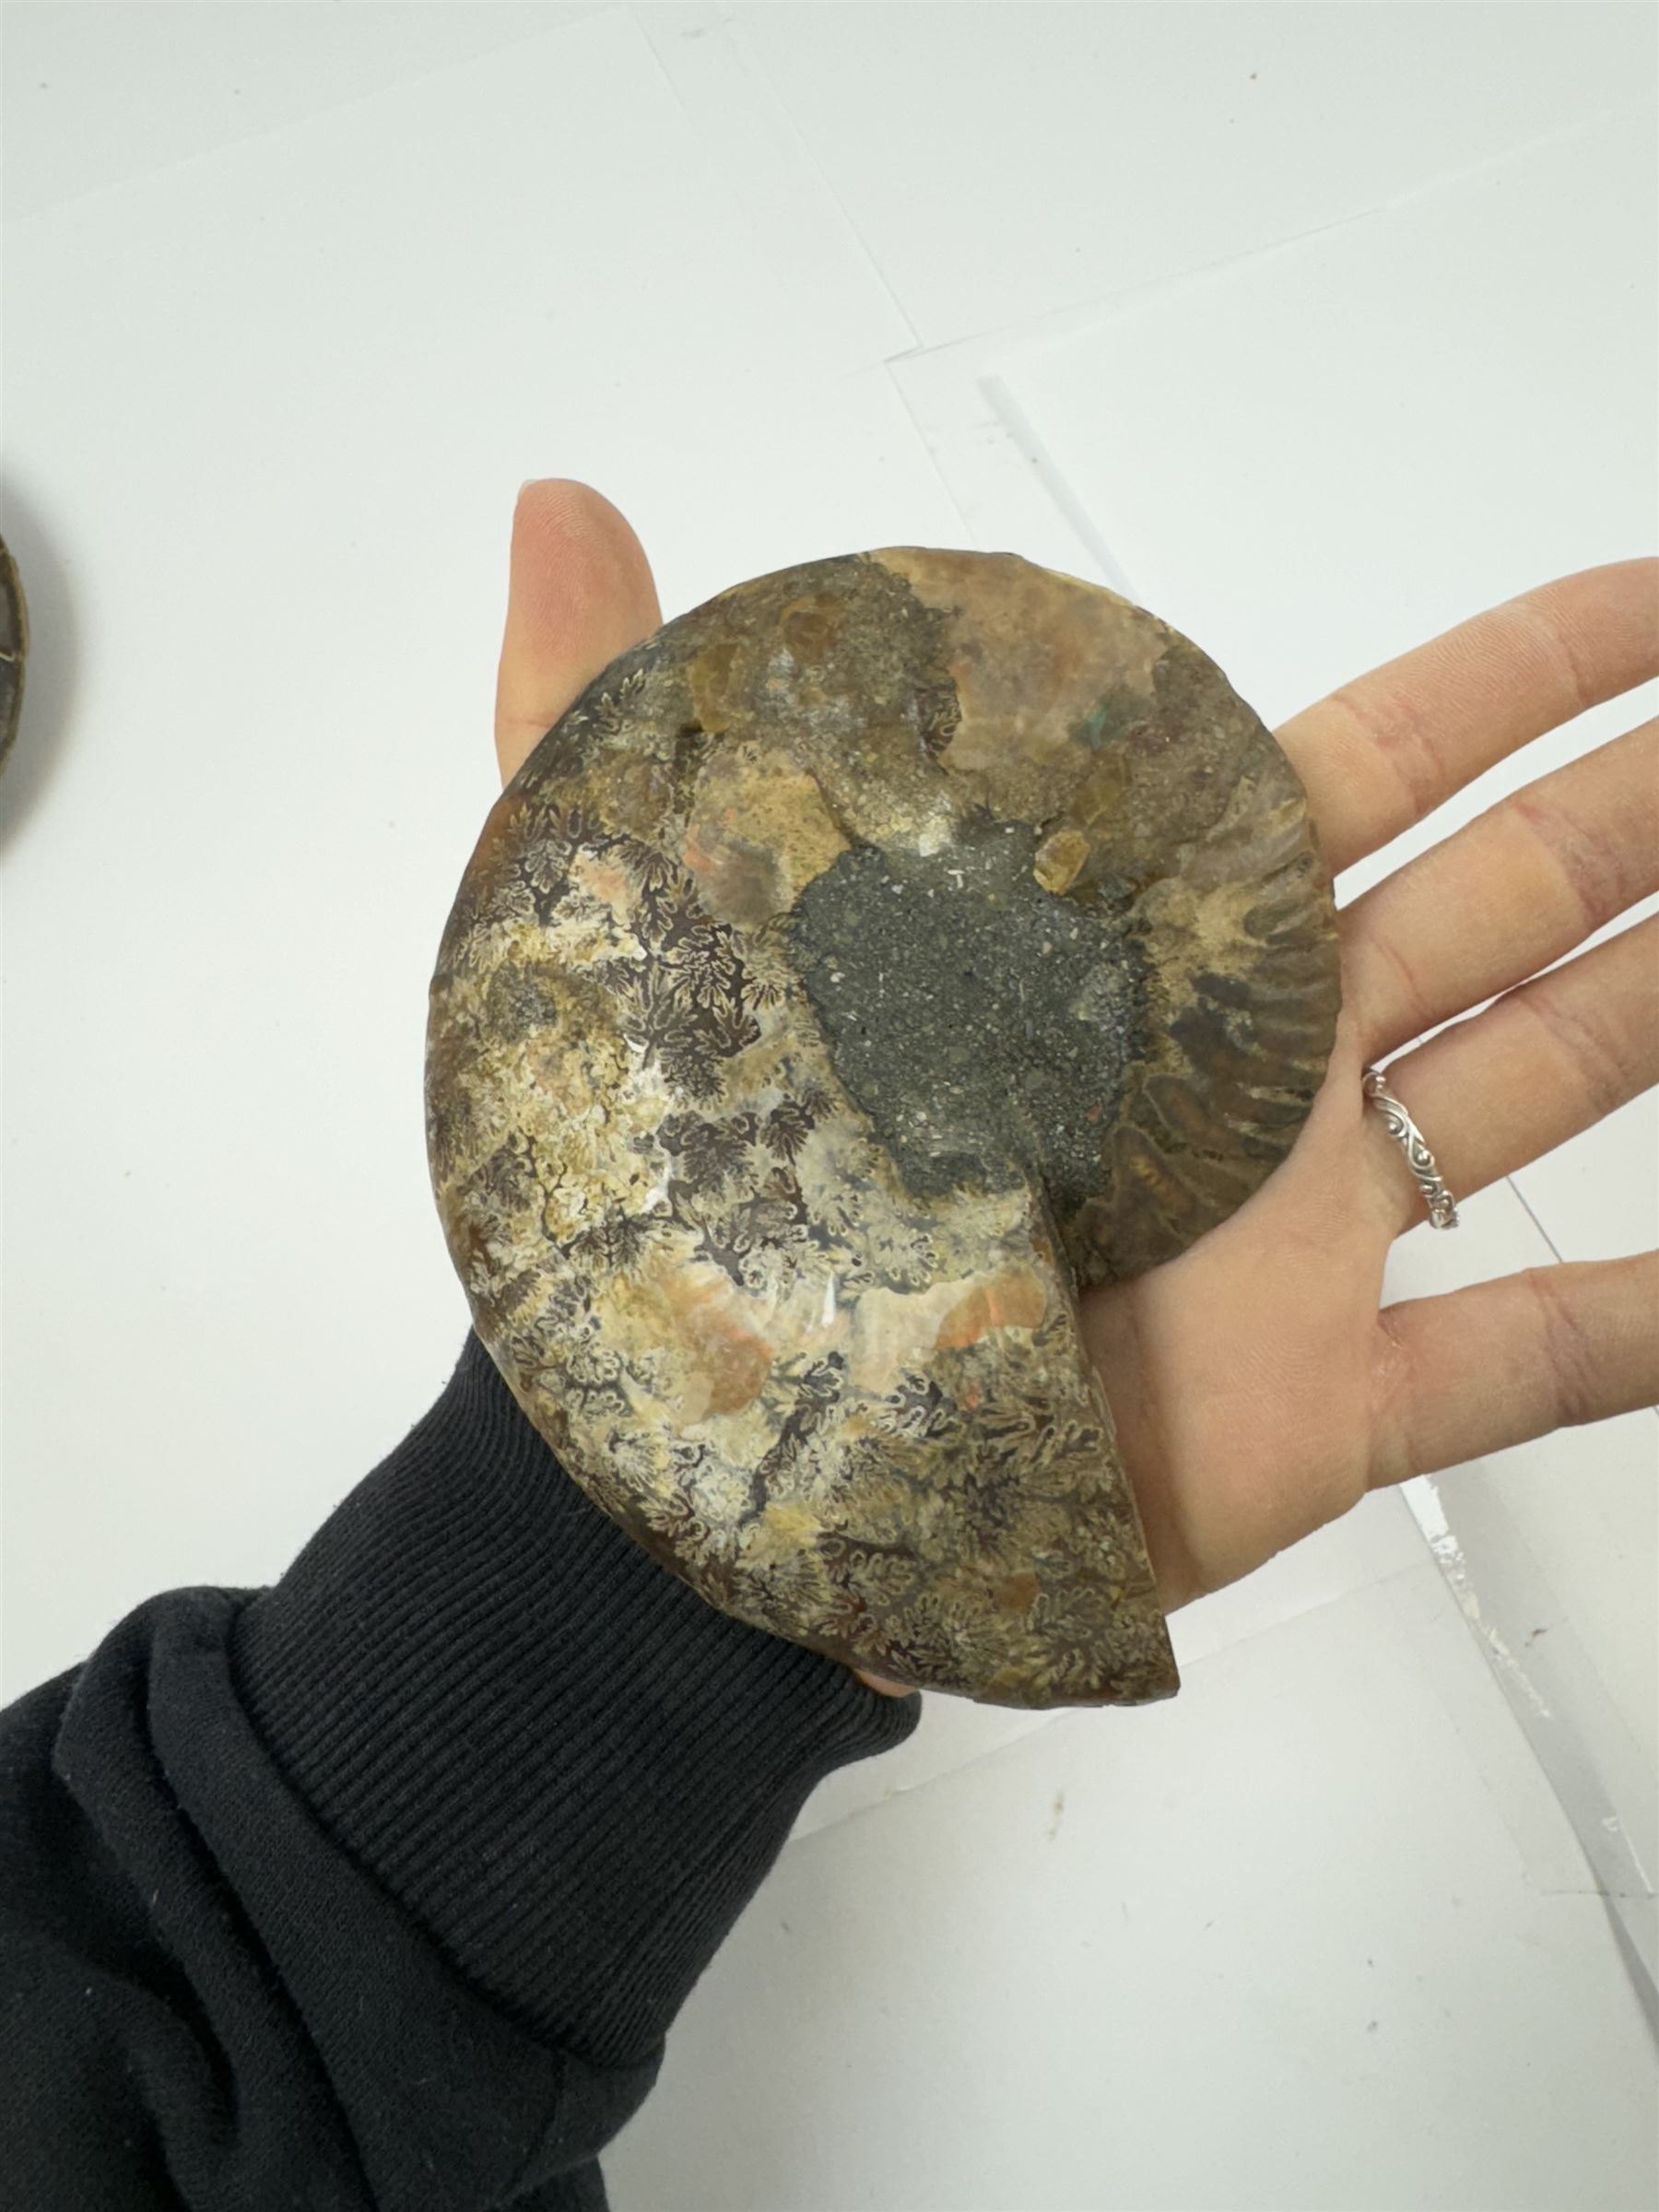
point(567, 1766)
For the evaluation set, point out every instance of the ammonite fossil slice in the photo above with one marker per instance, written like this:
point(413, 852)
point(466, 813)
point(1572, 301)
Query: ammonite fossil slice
point(14, 649)
point(869, 959)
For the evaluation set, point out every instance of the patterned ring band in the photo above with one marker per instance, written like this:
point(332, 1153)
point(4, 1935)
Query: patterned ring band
point(1443, 1207)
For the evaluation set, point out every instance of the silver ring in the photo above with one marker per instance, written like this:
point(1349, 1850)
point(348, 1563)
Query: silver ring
point(1443, 1207)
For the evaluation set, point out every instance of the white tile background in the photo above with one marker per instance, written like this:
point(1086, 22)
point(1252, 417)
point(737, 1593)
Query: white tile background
point(1318, 329)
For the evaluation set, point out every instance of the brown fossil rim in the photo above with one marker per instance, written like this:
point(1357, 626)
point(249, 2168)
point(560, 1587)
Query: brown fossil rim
point(868, 960)
point(13, 649)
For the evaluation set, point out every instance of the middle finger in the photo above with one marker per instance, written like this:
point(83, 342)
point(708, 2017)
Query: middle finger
point(1502, 898)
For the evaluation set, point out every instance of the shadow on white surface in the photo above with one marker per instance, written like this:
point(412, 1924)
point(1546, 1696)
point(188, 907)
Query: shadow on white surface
point(1283, 1929)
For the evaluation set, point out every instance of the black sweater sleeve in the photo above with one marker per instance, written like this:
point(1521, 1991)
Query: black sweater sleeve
point(380, 1887)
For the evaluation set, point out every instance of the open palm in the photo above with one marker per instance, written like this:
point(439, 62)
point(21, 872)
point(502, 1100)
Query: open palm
point(1259, 1386)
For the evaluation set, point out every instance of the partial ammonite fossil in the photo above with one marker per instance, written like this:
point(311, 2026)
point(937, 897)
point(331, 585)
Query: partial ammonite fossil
point(13, 649)
point(868, 960)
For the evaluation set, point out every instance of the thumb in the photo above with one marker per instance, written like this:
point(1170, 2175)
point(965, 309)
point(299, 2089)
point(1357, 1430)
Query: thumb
point(579, 591)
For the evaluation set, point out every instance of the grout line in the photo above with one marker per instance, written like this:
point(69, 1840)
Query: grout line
point(1555, 1249)
point(754, 66)
point(930, 450)
point(1570, 1768)
point(1017, 426)
point(1036, 331)
point(1582, 128)
point(1532, 1217)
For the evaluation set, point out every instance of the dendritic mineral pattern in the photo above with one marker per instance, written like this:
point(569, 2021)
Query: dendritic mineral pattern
point(868, 961)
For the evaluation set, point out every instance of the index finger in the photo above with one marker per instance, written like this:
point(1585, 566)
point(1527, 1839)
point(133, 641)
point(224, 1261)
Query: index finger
point(1386, 749)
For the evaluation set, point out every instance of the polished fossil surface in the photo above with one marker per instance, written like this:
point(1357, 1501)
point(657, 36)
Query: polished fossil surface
point(870, 959)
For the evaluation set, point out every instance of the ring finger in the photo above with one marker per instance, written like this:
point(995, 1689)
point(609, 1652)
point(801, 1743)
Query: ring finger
point(1541, 1064)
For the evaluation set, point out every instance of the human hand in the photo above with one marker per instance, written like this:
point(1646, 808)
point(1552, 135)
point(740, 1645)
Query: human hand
point(1258, 1387)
